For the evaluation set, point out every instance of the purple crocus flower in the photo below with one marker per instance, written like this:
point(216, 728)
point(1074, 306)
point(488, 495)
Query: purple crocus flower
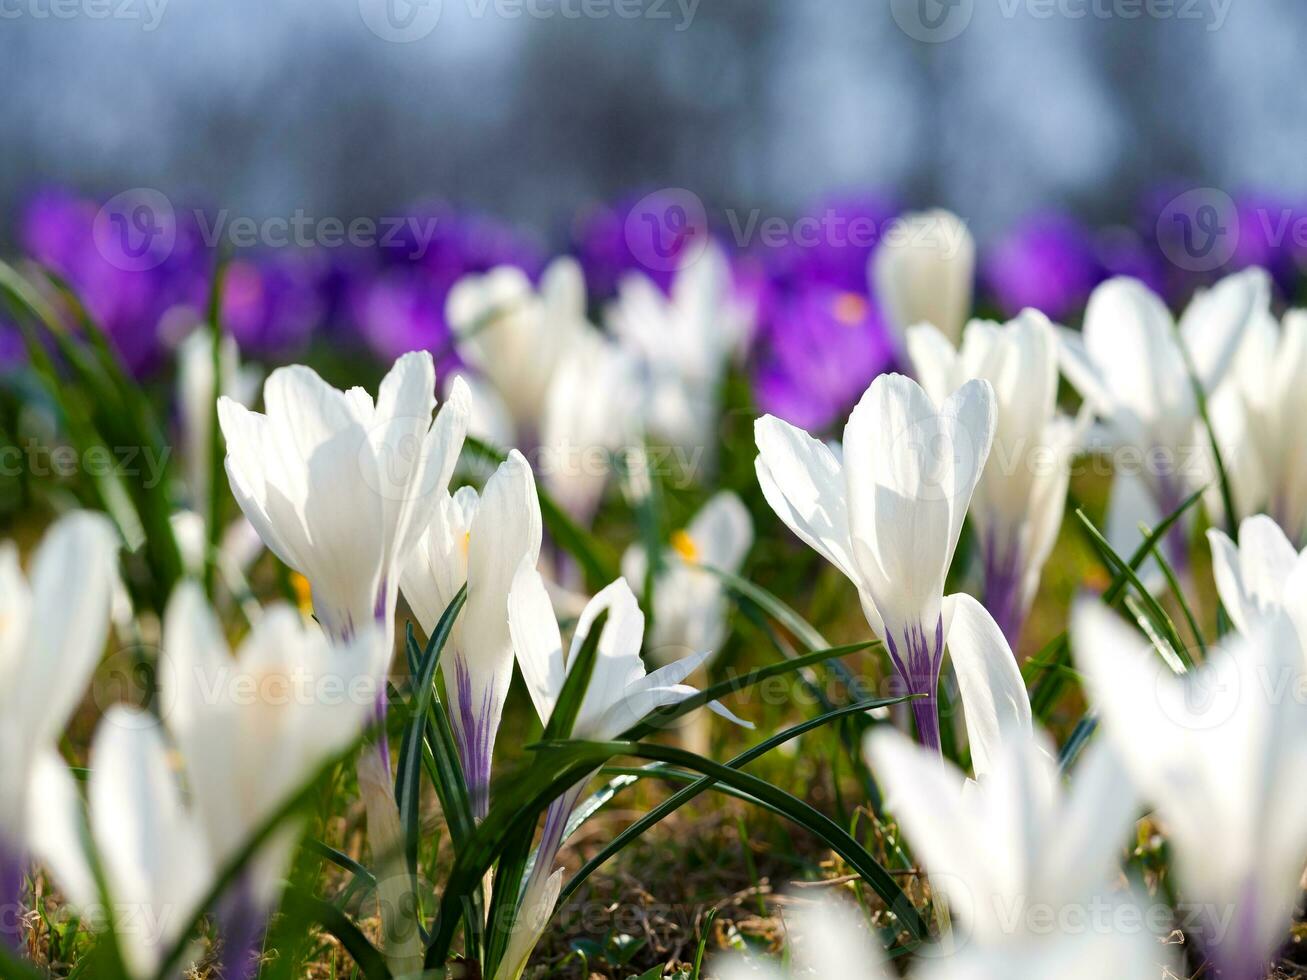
point(823, 347)
point(395, 298)
point(822, 336)
point(139, 304)
point(273, 304)
point(1048, 263)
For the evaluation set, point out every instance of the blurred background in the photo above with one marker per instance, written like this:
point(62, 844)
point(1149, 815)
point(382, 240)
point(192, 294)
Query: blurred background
point(533, 109)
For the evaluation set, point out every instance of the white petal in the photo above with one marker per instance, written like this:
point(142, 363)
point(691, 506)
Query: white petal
point(1213, 325)
point(802, 481)
point(55, 829)
point(934, 360)
point(1251, 578)
point(505, 532)
point(722, 532)
point(72, 578)
point(924, 273)
point(994, 700)
point(152, 854)
point(536, 639)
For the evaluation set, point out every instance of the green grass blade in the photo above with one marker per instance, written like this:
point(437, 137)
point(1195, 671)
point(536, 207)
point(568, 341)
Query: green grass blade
point(337, 924)
point(1118, 565)
point(684, 796)
point(576, 683)
point(664, 716)
point(408, 794)
point(1051, 662)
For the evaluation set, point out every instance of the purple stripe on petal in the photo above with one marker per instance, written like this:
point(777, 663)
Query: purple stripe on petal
point(475, 736)
point(242, 924)
point(1003, 599)
point(13, 871)
point(918, 665)
point(1233, 945)
point(1170, 495)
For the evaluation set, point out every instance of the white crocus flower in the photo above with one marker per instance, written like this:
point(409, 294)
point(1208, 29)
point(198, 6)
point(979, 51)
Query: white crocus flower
point(1019, 502)
point(690, 604)
point(479, 541)
point(831, 939)
point(620, 694)
point(1012, 846)
point(1258, 414)
point(1219, 752)
point(151, 848)
point(1130, 366)
point(888, 515)
point(253, 729)
point(239, 544)
point(923, 272)
point(196, 393)
point(518, 337)
point(684, 343)
point(339, 488)
point(52, 632)
point(1261, 576)
point(592, 413)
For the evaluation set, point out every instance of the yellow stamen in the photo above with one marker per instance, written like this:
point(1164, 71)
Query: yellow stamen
point(850, 309)
point(684, 546)
point(467, 542)
point(303, 593)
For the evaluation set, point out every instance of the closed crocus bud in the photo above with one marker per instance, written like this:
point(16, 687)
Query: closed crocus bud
point(1257, 413)
point(888, 515)
point(517, 337)
point(1018, 504)
point(340, 487)
point(477, 540)
point(1219, 752)
point(591, 414)
point(924, 272)
point(1129, 364)
point(53, 624)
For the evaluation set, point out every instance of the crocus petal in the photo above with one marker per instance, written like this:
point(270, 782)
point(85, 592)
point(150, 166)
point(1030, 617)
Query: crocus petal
point(934, 361)
point(924, 273)
point(1214, 323)
point(56, 827)
point(152, 853)
point(536, 639)
point(804, 484)
point(505, 532)
point(1251, 578)
point(72, 578)
point(722, 532)
point(994, 700)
